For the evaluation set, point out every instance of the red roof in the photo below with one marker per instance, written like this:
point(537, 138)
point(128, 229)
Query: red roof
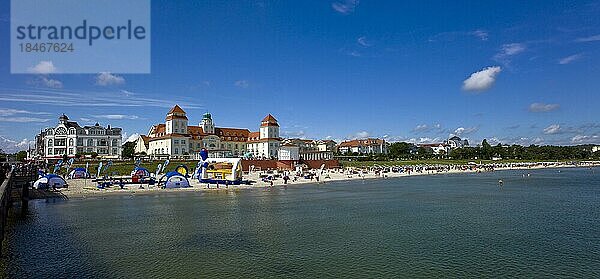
point(269, 120)
point(160, 128)
point(176, 109)
point(362, 142)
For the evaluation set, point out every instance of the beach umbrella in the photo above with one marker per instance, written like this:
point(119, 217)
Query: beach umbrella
point(69, 164)
point(165, 165)
point(158, 168)
point(99, 169)
point(57, 166)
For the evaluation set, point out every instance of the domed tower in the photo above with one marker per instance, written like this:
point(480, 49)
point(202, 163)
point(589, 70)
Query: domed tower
point(176, 121)
point(63, 119)
point(208, 127)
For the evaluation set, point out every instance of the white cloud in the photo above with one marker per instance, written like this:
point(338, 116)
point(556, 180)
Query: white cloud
point(423, 140)
point(569, 59)
point(482, 80)
point(44, 67)
point(117, 116)
point(421, 128)
point(22, 119)
point(461, 131)
point(481, 34)
point(363, 41)
point(127, 93)
point(294, 134)
point(509, 50)
point(107, 79)
point(51, 83)
point(584, 139)
point(241, 83)
point(589, 39)
point(361, 135)
point(72, 98)
point(552, 129)
point(131, 138)
point(541, 107)
point(13, 146)
point(9, 112)
point(345, 7)
point(512, 49)
point(15, 115)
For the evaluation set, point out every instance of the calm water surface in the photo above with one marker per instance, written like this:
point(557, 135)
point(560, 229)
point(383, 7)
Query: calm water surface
point(545, 225)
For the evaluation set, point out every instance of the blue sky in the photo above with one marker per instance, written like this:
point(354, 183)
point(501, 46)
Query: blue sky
point(419, 71)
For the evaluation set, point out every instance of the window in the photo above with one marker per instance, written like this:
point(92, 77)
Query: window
point(50, 142)
point(114, 142)
point(176, 150)
point(49, 151)
point(71, 142)
point(176, 141)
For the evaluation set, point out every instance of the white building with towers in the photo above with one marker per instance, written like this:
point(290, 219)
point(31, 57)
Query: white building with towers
point(68, 139)
point(176, 138)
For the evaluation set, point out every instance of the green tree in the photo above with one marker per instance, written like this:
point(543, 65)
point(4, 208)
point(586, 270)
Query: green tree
point(128, 150)
point(486, 150)
point(21, 156)
point(401, 150)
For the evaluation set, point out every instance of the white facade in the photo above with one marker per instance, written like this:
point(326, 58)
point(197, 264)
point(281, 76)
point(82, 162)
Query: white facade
point(266, 143)
point(364, 146)
point(289, 153)
point(175, 138)
point(68, 138)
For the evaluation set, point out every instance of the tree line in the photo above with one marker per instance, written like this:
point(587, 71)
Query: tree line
point(485, 151)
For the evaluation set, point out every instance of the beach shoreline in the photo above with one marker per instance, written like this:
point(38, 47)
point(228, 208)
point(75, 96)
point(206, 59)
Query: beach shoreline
point(86, 188)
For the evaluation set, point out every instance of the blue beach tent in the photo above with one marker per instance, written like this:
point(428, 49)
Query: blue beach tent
point(140, 172)
point(50, 181)
point(174, 179)
point(77, 173)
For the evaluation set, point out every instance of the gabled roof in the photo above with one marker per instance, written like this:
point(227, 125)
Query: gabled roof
point(269, 120)
point(176, 109)
point(232, 132)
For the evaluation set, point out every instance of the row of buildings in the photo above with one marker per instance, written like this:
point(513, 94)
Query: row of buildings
point(176, 138)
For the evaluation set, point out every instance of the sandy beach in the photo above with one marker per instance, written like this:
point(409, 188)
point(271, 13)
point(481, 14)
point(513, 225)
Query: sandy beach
point(83, 188)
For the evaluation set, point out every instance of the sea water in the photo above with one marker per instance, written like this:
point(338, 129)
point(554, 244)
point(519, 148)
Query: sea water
point(545, 224)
